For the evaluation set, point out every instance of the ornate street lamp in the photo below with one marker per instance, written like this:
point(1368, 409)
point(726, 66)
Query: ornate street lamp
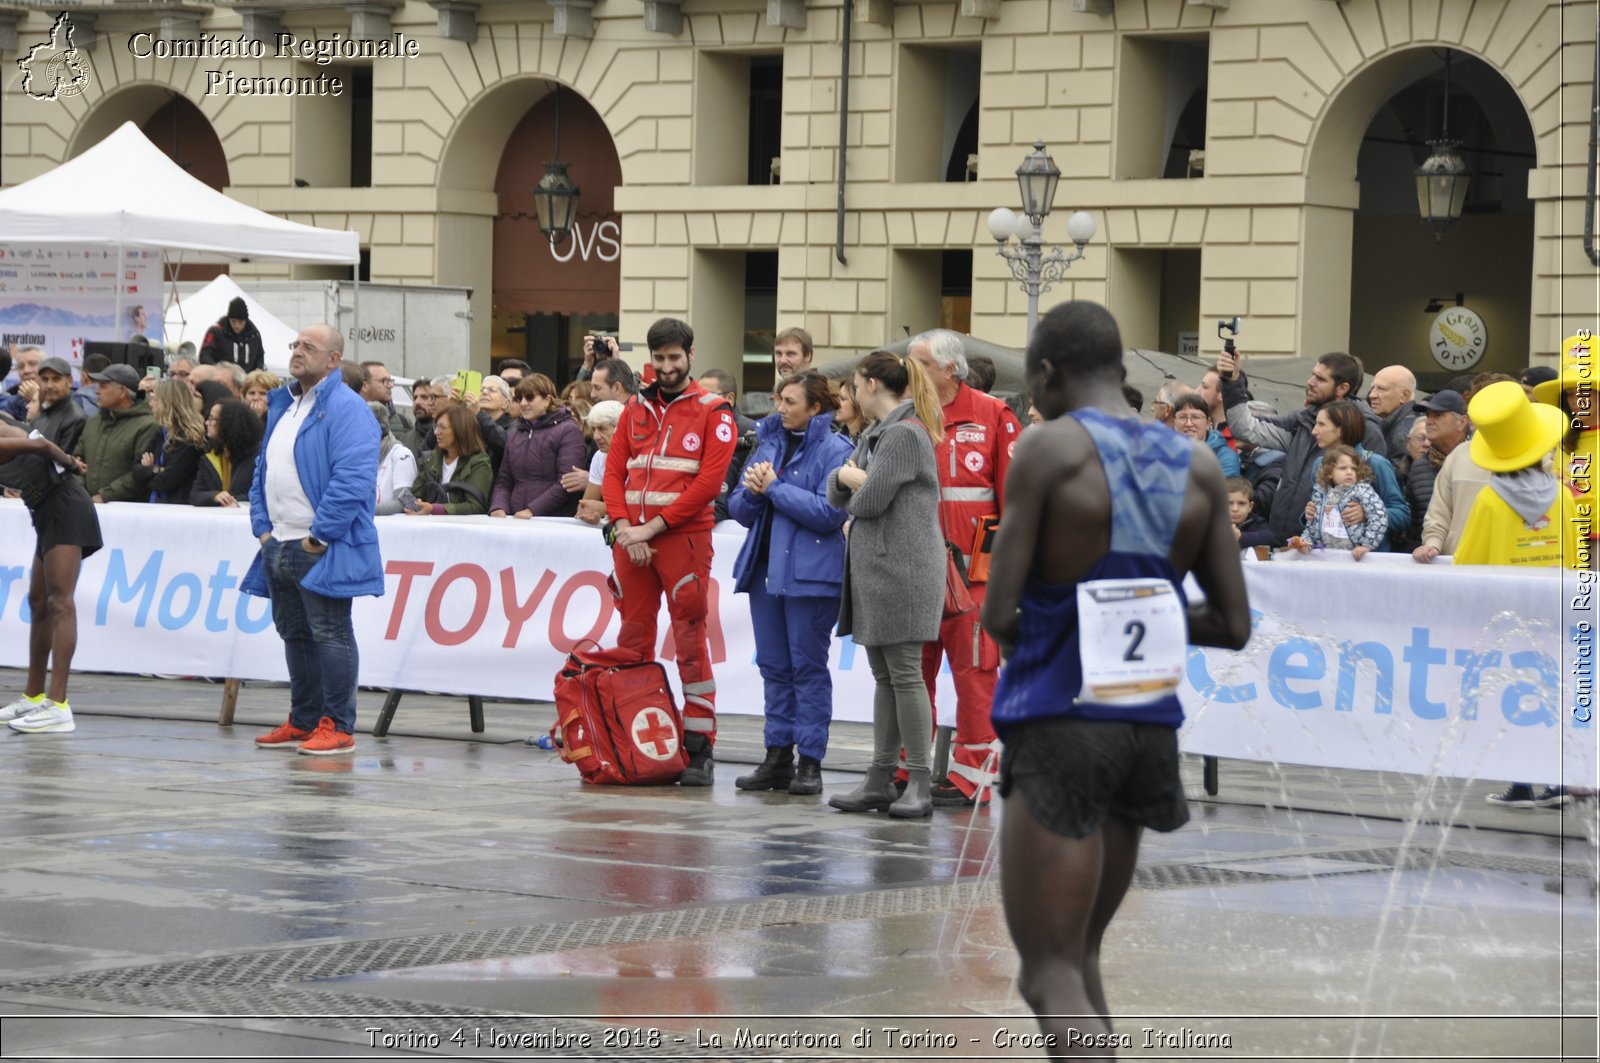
point(1443, 177)
point(1035, 271)
point(555, 197)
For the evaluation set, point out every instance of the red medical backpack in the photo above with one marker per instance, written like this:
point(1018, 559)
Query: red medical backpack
point(617, 720)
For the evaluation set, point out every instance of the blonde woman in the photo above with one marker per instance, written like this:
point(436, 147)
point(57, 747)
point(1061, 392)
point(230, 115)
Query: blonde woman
point(257, 386)
point(168, 471)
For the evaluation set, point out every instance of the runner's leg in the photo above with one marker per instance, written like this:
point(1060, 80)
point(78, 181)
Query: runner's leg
point(1048, 885)
point(1120, 849)
point(61, 566)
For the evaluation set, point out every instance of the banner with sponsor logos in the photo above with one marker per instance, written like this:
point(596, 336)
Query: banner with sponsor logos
point(1462, 672)
point(56, 296)
point(474, 605)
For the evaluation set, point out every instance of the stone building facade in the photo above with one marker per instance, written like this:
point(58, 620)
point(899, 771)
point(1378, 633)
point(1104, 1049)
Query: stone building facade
point(1218, 143)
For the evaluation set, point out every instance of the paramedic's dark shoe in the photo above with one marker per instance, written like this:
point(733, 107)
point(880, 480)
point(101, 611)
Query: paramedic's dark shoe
point(700, 769)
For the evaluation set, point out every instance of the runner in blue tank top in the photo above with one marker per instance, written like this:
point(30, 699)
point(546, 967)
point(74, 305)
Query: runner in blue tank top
point(1104, 516)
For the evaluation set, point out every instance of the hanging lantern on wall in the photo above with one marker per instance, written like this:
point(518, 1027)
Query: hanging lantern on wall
point(1443, 177)
point(555, 197)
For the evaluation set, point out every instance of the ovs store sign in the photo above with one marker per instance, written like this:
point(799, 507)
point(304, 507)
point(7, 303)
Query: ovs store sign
point(590, 241)
point(1458, 339)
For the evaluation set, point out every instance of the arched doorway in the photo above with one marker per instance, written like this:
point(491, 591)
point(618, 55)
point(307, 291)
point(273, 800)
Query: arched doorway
point(548, 297)
point(1402, 277)
point(184, 136)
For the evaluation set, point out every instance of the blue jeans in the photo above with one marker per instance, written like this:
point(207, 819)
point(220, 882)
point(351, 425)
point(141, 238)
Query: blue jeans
point(793, 636)
point(319, 641)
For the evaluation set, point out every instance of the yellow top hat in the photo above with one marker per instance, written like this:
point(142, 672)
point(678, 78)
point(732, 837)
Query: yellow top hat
point(1512, 433)
point(1575, 367)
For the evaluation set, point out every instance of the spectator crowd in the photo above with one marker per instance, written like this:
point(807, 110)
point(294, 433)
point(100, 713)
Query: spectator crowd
point(885, 486)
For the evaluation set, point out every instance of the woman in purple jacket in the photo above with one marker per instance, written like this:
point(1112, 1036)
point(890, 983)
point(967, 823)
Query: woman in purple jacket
point(545, 442)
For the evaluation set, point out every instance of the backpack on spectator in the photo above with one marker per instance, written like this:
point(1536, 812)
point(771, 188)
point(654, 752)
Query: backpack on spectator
point(617, 720)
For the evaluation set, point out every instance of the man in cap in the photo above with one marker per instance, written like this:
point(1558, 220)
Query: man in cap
point(114, 439)
point(1447, 428)
point(52, 413)
point(235, 339)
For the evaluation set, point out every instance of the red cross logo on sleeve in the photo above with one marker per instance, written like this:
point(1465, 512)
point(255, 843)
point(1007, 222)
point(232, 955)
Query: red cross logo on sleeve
point(654, 734)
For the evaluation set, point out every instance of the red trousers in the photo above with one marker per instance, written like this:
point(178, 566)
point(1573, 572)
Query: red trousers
point(682, 569)
point(975, 666)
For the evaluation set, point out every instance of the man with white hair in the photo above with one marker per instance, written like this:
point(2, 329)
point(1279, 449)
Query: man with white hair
point(980, 434)
point(1394, 389)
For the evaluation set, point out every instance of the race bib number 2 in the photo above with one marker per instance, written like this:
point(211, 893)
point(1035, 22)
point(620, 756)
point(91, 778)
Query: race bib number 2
point(1133, 640)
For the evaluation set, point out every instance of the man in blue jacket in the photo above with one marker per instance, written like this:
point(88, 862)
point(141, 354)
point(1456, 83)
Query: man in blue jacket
point(311, 505)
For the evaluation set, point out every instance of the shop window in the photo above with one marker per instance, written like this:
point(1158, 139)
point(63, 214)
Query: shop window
point(1161, 107)
point(936, 112)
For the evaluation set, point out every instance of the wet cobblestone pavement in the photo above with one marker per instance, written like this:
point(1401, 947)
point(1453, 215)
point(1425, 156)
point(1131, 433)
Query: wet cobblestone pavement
point(172, 891)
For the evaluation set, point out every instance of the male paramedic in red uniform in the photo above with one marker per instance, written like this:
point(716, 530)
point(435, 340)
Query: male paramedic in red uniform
point(664, 470)
point(980, 433)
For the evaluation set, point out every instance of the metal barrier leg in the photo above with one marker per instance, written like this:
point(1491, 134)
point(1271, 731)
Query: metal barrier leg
point(1209, 767)
point(475, 710)
point(390, 704)
point(230, 701)
point(941, 751)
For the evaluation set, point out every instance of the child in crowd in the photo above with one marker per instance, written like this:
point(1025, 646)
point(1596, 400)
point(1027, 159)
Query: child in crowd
point(1249, 527)
point(1344, 477)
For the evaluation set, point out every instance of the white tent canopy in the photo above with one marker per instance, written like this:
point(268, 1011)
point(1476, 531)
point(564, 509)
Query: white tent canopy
point(189, 317)
point(124, 192)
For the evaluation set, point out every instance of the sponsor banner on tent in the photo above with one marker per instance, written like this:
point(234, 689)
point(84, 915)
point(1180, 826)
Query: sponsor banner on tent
point(56, 296)
point(1462, 672)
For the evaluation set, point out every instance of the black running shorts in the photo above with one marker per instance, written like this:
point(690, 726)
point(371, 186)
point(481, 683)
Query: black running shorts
point(1073, 774)
point(66, 517)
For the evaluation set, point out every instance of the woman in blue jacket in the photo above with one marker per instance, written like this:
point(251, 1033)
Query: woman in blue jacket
point(792, 566)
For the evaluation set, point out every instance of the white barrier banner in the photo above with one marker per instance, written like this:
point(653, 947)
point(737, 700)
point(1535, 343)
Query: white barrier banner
point(1375, 666)
point(1470, 672)
point(474, 605)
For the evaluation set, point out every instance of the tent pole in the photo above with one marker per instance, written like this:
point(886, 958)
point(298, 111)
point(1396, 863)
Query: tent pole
point(183, 322)
point(355, 310)
point(116, 321)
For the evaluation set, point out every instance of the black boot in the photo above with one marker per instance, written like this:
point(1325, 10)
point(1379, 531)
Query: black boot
point(774, 773)
point(807, 777)
point(875, 793)
point(700, 768)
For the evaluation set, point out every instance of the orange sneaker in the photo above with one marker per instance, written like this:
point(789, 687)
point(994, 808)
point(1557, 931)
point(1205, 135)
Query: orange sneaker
point(283, 736)
point(326, 742)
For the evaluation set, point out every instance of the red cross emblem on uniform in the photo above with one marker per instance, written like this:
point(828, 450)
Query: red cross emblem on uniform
point(654, 734)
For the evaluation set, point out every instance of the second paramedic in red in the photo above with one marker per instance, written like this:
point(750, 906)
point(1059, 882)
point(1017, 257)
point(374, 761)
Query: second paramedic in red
point(980, 434)
point(665, 468)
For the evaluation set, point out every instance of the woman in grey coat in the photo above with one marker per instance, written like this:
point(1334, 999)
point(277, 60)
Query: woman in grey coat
point(893, 595)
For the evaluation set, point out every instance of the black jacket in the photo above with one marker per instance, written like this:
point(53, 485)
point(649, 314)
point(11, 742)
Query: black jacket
point(61, 424)
point(222, 344)
point(173, 479)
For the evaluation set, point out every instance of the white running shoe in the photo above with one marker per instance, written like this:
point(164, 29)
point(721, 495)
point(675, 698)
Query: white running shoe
point(22, 706)
point(51, 718)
